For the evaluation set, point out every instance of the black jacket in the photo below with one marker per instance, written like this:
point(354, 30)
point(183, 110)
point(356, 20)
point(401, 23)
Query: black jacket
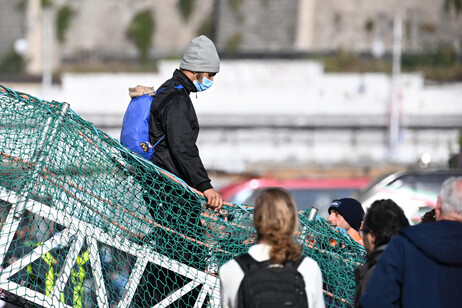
point(363, 273)
point(173, 115)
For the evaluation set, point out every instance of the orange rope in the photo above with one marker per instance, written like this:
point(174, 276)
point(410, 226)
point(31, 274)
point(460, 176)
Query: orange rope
point(170, 176)
point(175, 179)
point(47, 177)
point(29, 164)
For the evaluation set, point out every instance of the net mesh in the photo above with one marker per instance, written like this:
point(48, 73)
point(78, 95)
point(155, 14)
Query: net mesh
point(87, 223)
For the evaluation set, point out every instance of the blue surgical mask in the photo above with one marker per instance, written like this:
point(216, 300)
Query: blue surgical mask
point(206, 83)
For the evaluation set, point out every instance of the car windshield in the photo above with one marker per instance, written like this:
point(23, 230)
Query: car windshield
point(429, 183)
point(415, 191)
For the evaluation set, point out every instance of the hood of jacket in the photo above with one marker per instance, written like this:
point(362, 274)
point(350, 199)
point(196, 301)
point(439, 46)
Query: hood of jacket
point(441, 241)
point(180, 78)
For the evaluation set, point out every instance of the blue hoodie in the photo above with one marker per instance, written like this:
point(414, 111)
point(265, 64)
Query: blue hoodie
point(421, 267)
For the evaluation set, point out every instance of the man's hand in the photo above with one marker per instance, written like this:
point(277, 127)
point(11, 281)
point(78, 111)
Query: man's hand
point(214, 199)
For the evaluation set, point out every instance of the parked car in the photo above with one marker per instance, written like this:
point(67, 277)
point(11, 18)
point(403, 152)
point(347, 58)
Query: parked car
point(415, 191)
point(307, 192)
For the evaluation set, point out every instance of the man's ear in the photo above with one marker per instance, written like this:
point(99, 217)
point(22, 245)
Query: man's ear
point(438, 211)
point(372, 234)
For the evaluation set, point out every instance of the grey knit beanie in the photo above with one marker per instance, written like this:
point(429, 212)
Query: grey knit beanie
point(201, 56)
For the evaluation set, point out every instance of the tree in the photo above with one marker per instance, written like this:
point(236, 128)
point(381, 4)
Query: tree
point(455, 5)
point(140, 33)
point(63, 19)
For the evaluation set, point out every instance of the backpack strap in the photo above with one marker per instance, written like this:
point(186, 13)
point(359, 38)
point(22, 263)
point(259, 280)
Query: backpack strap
point(169, 96)
point(295, 264)
point(248, 264)
point(245, 261)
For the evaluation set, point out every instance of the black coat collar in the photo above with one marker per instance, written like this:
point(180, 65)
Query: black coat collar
point(182, 79)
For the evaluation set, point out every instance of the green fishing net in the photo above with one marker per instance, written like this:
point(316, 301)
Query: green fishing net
point(87, 223)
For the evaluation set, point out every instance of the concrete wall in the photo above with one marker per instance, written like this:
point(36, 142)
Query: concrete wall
point(287, 112)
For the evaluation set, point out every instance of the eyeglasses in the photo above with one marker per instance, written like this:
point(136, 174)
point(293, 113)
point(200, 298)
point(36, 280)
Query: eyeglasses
point(363, 232)
point(211, 74)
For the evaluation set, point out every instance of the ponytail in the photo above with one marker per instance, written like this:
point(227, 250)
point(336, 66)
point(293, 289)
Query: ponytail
point(275, 218)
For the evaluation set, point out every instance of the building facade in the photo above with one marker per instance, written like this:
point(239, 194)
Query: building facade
point(94, 33)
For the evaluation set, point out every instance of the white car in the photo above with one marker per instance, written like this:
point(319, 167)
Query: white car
point(415, 191)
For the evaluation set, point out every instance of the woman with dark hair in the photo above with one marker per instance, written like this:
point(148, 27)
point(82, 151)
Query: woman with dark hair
point(276, 222)
point(383, 220)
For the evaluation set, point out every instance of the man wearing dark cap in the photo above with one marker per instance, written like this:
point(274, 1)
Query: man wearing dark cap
point(347, 214)
point(174, 123)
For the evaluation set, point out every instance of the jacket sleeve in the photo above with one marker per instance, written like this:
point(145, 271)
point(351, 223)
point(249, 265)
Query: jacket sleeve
point(313, 282)
point(231, 276)
point(318, 298)
point(384, 287)
point(182, 144)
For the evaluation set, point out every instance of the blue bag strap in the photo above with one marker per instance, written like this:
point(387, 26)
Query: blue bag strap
point(158, 141)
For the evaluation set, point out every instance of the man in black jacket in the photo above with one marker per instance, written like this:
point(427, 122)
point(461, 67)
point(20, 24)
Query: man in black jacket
point(173, 116)
point(174, 128)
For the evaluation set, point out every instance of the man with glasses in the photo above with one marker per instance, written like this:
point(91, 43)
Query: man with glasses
point(384, 219)
point(422, 265)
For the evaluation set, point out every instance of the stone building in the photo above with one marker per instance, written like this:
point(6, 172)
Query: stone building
point(95, 32)
point(326, 25)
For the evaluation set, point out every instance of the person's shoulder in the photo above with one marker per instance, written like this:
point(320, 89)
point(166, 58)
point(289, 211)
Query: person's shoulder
point(396, 241)
point(308, 267)
point(395, 249)
point(311, 272)
point(308, 262)
point(231, 270)
point(229, 267)
point(230, 263)
point(175, 101)
point(179, 95)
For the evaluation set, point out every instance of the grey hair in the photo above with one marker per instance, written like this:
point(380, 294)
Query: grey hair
point(451, 195)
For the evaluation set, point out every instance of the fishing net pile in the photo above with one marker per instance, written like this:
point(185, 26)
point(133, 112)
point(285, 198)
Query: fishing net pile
point(87, 223)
